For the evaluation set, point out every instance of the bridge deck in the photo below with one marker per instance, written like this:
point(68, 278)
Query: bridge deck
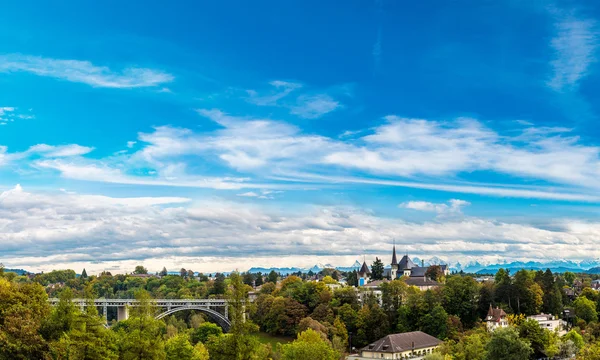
point(156, 302)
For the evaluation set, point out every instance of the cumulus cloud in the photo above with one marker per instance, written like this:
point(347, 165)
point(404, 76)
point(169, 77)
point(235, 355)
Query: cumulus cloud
point(44, 230)
point(84, 72)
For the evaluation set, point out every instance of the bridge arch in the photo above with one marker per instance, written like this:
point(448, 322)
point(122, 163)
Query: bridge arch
point(221, 320)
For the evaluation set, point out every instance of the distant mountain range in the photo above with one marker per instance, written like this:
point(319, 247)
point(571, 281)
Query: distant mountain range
point(315, 268)
point(476, 267)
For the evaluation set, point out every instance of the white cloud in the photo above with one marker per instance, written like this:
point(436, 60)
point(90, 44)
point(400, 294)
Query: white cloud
point(131, 144)
point(60, 151)
point(45, 230)
point(84, 72)
point(282, 89)
point(443, 153)
point(249, 194)
point(305, 106)
point(454, 206)
point(574, 45)
point(410, 147)
point(9, 114)
point(314, 106)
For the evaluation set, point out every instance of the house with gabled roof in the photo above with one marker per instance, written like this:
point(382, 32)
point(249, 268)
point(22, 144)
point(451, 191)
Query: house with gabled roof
point(496, 318)
point(364, 274)
point(399, 346)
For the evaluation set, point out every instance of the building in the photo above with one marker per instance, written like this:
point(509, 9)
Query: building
point(370, 289)
point(406, 267)
point(549, 322)
point(399, 346)
point(364, 274)
point(423, 283)
point(496, 318)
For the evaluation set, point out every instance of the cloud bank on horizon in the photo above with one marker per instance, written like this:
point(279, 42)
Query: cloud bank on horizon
point(184, 149)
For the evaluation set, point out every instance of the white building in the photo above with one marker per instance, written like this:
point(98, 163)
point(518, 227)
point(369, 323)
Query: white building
point(408, 345)
point(549, 322)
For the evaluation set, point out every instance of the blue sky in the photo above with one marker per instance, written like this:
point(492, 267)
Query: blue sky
point(197, 134)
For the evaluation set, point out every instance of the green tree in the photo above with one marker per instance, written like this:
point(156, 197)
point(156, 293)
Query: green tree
point(141, 335)
point(309, 346)
point(163, 272)
point(435, 323)
point(140, 270)
point(527, 293)
point(244, 346)
point(471, 347)
point(352, 278)
point(349, 317)
point(574, 337)
point(204, 331)
point(272, 277)
point(460, 298)
point(392, 294)
point(538, 339)
point(219, 285)
point(248, 279)
point(84, 274)
point(88, 339)
point(180, 348)
point(372, 324)
point(505, 344)
point(61, 318)
point(585, 309)
point(569, 277)
point(590, 352)
point(22, 310)
point(259, 279)
point(434, 272)
point(377, 269)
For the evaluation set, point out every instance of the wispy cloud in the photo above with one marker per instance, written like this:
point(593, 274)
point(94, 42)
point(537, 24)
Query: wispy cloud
point(314, 106)
point(454, 206)
point(307, 105)
point(377, 49)
point(281, 90)
point(59, 151)
point(9, 114)
point(574, 45)
point(84, 72)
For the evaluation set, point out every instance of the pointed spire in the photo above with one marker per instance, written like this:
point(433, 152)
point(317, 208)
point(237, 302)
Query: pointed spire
point(394, 260)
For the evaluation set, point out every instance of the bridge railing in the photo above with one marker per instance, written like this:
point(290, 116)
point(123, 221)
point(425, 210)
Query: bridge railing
point(156, 302)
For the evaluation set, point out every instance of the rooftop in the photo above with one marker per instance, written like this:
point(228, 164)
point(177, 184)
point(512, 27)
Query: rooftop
point(402, 342)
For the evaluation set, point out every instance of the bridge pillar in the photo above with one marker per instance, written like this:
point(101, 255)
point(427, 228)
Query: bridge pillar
point(105, 312)
point(122, 313)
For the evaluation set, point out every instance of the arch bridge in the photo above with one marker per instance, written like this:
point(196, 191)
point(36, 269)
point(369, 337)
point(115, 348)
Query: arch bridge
point(210, 307)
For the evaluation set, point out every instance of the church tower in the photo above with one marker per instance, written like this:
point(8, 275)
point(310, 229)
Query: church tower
point(394, 269)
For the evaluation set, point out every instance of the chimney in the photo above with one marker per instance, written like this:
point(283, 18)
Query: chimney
point(422, 263)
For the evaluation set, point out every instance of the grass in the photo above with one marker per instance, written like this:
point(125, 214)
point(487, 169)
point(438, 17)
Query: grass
point(273, 339)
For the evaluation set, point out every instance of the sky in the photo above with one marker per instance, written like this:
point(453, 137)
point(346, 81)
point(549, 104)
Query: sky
point(229, 134)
